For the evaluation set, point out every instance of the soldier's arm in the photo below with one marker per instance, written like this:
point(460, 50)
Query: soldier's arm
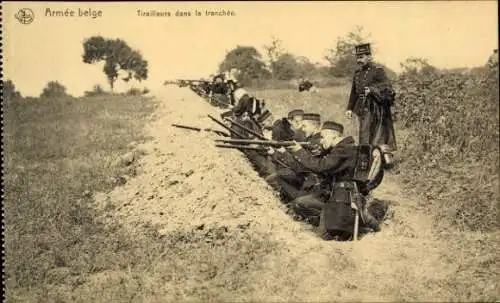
point(352, 96)
point(380, 83)
point(276, 131)
point(331, 161)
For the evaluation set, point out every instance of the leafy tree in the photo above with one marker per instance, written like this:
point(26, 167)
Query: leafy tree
point(285, 67)
point(54, 89)
point(9, 91)
point(305, 67)
point(117, 55)
point(274, 50)
point(248, 61)
point(341, 58)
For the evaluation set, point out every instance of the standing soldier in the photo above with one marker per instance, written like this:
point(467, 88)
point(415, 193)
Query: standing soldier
point(371, 100)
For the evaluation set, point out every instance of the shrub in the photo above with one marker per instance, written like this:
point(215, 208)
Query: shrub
point(134, 92)
point(54, 89)
point(97, 90)
point(9, 91)
point(452, 150)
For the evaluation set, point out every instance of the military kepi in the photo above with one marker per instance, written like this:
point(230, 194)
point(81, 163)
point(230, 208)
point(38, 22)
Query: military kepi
point(331, 125)
point(296, 112)
point(312, 117)
point(363, 49)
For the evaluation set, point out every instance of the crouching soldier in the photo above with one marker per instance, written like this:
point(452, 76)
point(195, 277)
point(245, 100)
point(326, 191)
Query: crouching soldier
point(290, 176)
point(353, 171)
point(219, 90)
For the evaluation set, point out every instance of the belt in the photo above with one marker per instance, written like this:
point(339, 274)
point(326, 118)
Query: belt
point(344, 184)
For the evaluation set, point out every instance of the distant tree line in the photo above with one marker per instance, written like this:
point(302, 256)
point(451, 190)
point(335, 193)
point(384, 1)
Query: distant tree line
point(283, 65)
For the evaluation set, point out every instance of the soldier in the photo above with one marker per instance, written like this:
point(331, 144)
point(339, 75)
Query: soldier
point(305, 85)
point(371, 99)
point(341, 164)
point(246, 104)
point(289, 128)
point(292, 179)
point(219, 91)
point(311, 124)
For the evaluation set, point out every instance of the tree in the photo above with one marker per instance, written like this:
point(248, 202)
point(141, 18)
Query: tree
point(117, 55)
point(248, 61)
point(341, 58)
point(54, 89)
point(305, 67)
point(285, 67)
point(274, 50)
point(9, 91)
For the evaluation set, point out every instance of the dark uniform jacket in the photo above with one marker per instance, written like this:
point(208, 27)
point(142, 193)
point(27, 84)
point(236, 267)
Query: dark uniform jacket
point(219, 88)
point(249, 105)
point(374, 77)
point(282, 131)
point(338, 158)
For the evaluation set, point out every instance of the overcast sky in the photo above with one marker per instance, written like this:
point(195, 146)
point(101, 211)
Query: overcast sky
point(448, 33)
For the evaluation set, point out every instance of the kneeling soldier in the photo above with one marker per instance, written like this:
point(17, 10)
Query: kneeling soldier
point(351, 169)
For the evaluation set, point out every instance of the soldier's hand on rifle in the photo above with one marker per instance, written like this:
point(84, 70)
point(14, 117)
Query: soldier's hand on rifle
point(270, 151)
point(348, 114)
point(281, 149)
point(295, 147)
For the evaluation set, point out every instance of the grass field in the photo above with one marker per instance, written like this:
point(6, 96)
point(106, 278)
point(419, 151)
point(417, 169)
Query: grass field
point(59, 247)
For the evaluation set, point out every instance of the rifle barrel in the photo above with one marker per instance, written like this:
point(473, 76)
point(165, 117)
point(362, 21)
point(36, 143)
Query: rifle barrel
point(218, 132)
point(240, 147)
point(187, 127)
point(256, 134)
point(226, 127)
point(262, 142)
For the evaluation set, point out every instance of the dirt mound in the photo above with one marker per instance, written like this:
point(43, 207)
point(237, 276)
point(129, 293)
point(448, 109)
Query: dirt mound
point(184, 184)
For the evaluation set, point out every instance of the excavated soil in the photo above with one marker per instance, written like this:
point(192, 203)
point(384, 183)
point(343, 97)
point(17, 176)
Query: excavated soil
point(185, 183)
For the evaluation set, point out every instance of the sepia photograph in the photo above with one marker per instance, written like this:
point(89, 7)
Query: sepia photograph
point(250, 151)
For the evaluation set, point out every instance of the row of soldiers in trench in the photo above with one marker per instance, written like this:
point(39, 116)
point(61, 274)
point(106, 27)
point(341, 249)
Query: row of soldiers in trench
point(219, 89)
point(323, 176)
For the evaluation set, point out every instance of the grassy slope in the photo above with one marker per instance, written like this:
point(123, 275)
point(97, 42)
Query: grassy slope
point(58, 246)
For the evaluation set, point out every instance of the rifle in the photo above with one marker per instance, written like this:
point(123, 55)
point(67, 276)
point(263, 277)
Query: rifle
point(218, 132)
point(182, 82)
point(271, 143)
point(256, 134)
point(226, 127)
point(241, 147)
point(241, 136)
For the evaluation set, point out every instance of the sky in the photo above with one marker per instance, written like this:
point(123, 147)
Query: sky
point(448, 33)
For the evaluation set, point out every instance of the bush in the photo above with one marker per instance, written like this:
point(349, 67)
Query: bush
point(452, 150)
point(134, 92)
point(54, 89)
point(9, 91)
point(97, 90)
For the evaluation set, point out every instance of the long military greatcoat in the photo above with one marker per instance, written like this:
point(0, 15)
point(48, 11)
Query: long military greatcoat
point(374, 110)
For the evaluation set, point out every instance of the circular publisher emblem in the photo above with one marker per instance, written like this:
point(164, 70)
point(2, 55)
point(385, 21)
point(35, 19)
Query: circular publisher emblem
point(25, 16)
